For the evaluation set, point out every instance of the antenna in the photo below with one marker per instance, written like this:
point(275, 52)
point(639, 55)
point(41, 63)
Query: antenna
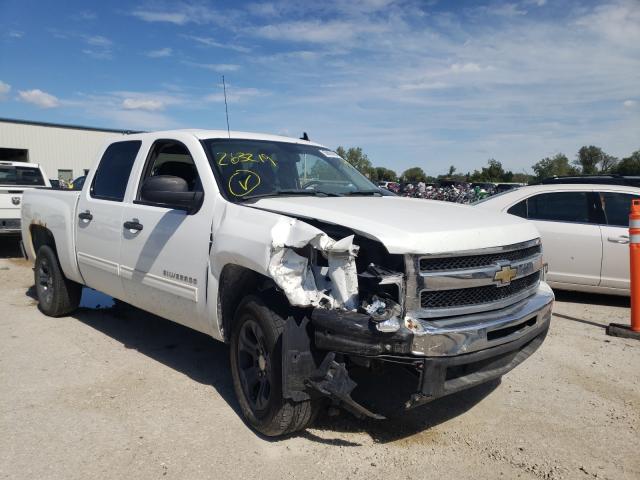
point(226, 109)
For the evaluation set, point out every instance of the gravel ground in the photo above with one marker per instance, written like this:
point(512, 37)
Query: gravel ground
point(117, 393)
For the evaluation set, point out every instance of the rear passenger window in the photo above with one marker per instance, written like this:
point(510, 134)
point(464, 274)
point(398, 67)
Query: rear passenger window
point(559, 207)
point(112, 175)
point(519, 209)
point(616, 207)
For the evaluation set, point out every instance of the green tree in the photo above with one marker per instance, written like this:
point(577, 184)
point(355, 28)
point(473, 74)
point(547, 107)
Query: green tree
point(356, 157)
point(593, 159)
point(452, 171)
point(493, 172)
point(385, 174)
point(558, 165)
point(608, 163)
point(414, 175)
point(521, 178)
point(629, 165)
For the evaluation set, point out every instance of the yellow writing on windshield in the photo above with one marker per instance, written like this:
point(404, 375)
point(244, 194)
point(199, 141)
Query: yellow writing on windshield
point(224, 159)
point(243, 182)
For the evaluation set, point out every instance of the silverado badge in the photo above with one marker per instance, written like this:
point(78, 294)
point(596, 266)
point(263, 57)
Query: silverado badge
point(505, 275)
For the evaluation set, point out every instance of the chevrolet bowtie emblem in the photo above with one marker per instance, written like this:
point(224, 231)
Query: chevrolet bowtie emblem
point(505, 275)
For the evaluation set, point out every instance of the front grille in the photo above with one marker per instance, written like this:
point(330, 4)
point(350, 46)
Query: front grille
point(476, 261)
point(477, 295)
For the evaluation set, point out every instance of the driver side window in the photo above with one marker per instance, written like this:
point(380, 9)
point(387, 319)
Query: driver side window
point(171, 158)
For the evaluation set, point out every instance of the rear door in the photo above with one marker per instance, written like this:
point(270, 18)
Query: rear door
point(99, 222)
point(615, 238)
point(165, 260)
point(571, 239)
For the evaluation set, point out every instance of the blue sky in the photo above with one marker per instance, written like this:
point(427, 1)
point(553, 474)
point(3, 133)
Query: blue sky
point(414, 83)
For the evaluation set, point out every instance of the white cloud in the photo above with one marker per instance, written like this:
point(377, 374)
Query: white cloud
point(39, 98)
point(619, 22)
point(629, 103)
point(234, 94)
point(215, 67)
point(15, 34)
point(136, 119)
point(168, 17)
point(98, 41)
point(506, 10)
point(265, 9)
point(211, 42)
point(469, 67)
point(424, 86)
point(4, 89)
point(179, 13)
point(97, 46)
point(338, 31)
point(84, 16)
point(160, 53)
point(149, 105)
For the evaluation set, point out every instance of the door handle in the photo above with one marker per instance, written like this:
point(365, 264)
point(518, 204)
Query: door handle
point(621, 239)
point(86, 215)
point(132, 225)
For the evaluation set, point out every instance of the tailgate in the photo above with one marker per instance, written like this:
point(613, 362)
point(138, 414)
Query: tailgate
point(10, 202)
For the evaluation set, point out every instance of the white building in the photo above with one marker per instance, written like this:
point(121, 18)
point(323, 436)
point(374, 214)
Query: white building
point(64, 151)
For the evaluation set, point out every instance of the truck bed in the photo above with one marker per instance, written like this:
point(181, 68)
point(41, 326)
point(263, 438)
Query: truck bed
point(57, 211)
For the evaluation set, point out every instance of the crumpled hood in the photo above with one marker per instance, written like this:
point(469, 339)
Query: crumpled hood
point(409, 225)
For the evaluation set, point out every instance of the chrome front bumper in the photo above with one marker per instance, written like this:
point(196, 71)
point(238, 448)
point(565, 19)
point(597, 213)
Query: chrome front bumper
point(470, 333)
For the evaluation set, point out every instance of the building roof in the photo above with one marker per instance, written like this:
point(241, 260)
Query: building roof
point(63, 125)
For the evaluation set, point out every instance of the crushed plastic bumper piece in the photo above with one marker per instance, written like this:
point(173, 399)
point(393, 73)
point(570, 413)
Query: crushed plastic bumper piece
point(332, 380)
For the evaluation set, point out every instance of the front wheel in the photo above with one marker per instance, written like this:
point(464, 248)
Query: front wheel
point(57, 295)
point(256, 368)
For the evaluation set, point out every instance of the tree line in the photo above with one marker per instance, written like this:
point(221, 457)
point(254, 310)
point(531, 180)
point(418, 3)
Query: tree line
point(590, 160)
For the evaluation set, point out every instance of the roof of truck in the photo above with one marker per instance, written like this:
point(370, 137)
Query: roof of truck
point(19, 164)
point(210, 134)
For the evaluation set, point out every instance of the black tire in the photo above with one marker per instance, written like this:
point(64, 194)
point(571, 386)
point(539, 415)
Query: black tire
point(57, 295)
point(257, 376)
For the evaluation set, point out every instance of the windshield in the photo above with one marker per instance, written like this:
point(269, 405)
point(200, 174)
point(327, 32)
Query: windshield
point(248, 169)
point(10, 175)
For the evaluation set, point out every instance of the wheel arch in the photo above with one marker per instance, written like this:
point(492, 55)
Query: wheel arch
point(40, 236)
point(237, 282)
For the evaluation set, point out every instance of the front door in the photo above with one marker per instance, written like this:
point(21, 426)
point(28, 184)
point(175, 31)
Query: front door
point(99, 220)
point(165, 258)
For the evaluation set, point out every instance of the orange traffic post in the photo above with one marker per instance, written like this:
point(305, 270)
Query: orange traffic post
point(633, 330)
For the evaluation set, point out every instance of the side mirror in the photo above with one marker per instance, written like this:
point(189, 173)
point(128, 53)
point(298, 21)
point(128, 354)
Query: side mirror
point(170, 192)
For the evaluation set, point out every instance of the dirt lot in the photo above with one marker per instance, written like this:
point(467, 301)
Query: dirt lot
point(116, 393)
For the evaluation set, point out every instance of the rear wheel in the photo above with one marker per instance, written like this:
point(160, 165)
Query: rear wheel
point(57, 295)
point(256, 368)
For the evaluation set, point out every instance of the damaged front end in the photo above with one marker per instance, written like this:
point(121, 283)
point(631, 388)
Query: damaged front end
point(358, 339)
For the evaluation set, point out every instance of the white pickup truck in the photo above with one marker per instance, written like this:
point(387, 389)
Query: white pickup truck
point(15, 178)
point(321, 282)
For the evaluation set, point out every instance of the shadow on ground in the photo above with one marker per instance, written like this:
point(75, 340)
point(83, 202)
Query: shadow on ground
point(206, 361)
point(417, 421)
point(592, 298)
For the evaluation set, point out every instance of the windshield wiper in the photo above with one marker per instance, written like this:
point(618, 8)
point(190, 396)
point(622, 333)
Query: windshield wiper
point(285, 192)
point(364, 192)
